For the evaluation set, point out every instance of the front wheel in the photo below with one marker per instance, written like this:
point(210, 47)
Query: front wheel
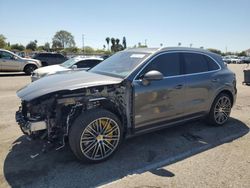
point(95, 135)
point(29, 69)
point(220, 110)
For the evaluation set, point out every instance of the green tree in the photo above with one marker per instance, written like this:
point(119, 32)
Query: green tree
point(2, 41)
point(47, 46)
point(32, 45)
point(108, 40)
point(243, 53)
point(214, 51)
point(117, 41)
point(124, 42)
point(88, 50)
point(17, 47)
point(63, 39)
point(113, 44)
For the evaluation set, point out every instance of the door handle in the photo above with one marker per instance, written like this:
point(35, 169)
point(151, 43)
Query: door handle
point(179, 86)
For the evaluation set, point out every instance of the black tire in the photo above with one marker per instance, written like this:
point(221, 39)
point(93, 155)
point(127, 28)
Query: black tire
point(219, 114)
point(28, 69)
point(44, 64)
point(81, 141)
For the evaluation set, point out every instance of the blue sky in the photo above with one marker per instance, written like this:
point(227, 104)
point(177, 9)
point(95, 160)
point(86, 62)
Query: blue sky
point(217, 24)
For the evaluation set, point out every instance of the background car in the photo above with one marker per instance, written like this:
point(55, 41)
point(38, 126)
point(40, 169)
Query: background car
point(79, 63)
point(12, 62)
point(245, 60)
point(50, 58)
point(232, 59)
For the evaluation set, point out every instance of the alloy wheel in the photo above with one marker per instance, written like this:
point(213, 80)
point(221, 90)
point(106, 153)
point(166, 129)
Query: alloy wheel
point(222, 110)
point(100, 138)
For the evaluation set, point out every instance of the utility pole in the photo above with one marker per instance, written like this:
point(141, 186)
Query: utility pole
point(145, 42)
point(83, 44)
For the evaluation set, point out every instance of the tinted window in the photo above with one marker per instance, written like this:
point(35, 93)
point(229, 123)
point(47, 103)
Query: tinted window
point(168, 64)
point(195, 63)
point(6, 55)
point(58, 55)
point(212, 65)
point(87, 63)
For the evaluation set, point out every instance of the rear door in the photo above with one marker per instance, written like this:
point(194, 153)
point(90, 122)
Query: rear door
point(199, 83)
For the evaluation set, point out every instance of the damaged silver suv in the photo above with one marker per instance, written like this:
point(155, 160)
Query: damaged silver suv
point(132, 92)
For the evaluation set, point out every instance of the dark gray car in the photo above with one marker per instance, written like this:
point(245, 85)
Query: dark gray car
point(132, 92)
point(50, 58)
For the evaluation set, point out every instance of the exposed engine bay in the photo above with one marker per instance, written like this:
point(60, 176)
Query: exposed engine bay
point(49, 117)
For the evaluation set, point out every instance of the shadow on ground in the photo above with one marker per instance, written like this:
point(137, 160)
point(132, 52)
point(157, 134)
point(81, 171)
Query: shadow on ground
point(10, 74)
point(144, 153)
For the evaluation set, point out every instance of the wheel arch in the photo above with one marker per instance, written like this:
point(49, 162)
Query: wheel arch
point(115, 109)
point(29, 64)
point(228, 92)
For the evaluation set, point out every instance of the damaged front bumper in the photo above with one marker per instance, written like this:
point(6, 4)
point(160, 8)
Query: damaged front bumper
point(28, 126)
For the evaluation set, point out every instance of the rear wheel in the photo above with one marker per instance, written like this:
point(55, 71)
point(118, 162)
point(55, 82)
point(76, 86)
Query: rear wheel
point(220, 110)
point(29, 69)
point(95, 135)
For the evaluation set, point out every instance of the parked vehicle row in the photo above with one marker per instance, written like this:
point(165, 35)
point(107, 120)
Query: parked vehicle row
point(132, 92)
point(235, 59)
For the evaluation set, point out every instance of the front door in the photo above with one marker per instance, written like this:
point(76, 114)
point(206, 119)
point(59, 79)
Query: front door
point(160, 100)
point(8, 62)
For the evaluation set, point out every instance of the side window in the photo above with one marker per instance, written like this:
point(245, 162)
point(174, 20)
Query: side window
point(6, 55)
point(211, 64)
point(94, 62)
point(168, 64)
point(195, 63)
point(58, 55)
point(81, 64)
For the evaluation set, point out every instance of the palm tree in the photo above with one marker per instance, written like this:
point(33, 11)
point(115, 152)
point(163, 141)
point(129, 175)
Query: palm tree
point(108, 40)
point(113, 44)
point(124, 43)
point(117, 41)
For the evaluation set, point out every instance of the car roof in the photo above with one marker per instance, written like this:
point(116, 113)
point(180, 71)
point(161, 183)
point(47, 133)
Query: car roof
point(154, 50)
point(87, 58)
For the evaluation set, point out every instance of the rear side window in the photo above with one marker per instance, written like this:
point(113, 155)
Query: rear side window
point(87, 63)
point(168, 64)
point(58, 55)
point(195, 63)
point(212, 65)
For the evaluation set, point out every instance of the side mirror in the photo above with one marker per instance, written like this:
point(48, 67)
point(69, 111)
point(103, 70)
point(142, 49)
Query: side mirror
point(74, 66)
point(153, 75)
point(14, 57)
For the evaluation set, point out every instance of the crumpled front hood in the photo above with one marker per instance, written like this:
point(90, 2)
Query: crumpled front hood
point(64, 81)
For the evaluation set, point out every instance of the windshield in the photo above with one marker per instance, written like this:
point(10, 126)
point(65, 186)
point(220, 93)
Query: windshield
point(120, 64)
point(69, 63)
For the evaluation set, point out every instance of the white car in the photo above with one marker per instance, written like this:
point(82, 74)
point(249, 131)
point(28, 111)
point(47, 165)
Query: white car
point(232, 59)
point(79, 63)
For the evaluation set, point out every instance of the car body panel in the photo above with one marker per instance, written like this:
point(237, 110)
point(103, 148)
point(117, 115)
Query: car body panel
point(154, 103)
point(50, 58)
point(64, 81)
